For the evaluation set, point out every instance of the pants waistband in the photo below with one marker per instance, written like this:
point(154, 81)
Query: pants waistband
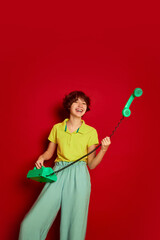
point(63, 163)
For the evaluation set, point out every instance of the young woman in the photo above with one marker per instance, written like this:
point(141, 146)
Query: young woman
point(71, 192)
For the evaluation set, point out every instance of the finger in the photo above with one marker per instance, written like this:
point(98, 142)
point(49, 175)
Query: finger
point(105, 141)
point(107, 138)
point(38, 165)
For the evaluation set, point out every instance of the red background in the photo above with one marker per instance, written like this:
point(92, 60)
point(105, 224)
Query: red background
point(106, 50)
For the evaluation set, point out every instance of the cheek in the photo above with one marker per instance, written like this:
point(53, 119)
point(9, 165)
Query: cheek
point(72, 107)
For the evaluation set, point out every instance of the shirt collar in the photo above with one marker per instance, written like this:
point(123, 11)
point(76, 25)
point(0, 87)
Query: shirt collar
point(81, 129)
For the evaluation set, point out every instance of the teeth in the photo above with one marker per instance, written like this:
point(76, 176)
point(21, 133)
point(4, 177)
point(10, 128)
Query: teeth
point(78, 110)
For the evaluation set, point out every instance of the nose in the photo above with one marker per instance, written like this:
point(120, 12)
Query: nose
point(80, 104)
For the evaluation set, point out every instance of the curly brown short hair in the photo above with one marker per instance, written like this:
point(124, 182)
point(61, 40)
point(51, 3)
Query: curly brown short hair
point(72, 97)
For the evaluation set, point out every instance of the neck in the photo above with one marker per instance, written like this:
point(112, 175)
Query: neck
point(74, 121)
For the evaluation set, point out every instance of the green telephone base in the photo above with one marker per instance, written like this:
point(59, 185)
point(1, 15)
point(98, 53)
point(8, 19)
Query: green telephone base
point(41, 175)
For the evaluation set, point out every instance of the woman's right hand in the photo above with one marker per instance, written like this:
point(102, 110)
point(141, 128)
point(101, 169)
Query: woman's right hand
point(39, 162)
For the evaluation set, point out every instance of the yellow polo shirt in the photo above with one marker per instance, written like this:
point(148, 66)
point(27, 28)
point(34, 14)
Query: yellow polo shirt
point(71, 146)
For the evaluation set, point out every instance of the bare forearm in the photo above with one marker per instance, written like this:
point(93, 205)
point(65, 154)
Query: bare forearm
point(46, 155)
point(95, 161)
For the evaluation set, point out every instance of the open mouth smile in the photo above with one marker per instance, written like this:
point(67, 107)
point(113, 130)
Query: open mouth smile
point(79, 110)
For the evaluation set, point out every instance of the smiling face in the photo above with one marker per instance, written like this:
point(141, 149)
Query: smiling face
point(78, 108)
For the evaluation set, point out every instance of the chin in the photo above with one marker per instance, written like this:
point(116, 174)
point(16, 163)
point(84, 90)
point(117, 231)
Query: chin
point(78, 115)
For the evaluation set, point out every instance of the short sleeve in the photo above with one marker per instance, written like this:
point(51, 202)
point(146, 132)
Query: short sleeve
point(53, 135)
point(93, 139)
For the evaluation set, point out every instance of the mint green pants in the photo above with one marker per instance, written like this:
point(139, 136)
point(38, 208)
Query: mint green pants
point(71, 193)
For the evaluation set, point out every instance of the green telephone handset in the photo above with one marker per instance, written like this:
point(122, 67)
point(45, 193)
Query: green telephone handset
point(126, 112)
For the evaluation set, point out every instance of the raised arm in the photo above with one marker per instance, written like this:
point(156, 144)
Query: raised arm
point(94, 160)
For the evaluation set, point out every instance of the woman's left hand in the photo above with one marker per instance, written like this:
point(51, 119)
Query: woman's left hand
point(105, 144)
